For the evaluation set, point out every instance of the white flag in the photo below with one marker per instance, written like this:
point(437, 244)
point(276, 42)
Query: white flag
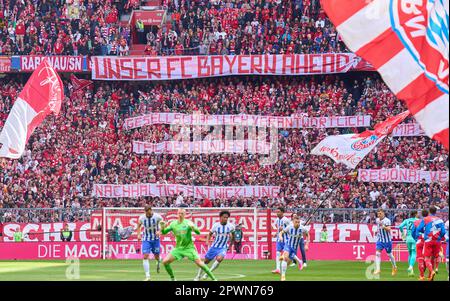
point(350, 149)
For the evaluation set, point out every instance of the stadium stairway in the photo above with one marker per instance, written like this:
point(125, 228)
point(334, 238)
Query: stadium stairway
point(137, 49)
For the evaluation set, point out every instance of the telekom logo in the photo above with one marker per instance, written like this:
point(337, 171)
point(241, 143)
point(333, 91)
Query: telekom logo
point(359, 251)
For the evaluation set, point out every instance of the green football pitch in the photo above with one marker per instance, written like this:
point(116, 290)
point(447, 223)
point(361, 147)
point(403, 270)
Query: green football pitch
point(237, 270)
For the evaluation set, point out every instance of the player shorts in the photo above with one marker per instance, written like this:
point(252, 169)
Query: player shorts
point(419, 250)
point(446, 255)
point(190, 253)
point(384, 246)
point(292, 252)
point(151, 246)
point(432, 249)
point(214, 252)
point(280, 246)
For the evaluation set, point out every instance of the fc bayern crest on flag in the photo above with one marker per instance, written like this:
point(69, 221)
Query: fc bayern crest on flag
point(422, 27)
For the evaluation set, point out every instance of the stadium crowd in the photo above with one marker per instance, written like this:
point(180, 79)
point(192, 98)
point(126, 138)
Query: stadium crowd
point(245, 27)
point(87, 144)
point(93, 27)
point(64, 27)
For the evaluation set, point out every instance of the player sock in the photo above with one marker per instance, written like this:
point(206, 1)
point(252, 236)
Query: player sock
point(215, 265)
point(429, 265)
point(199, 274)
point(206, 269)
point(421, 265)
point(391, 257)
point(283, 267)
point(377, 260)
point(412, 259)
point(436, 264)
point(277, 261)
point(169, 270)
point(146, 267)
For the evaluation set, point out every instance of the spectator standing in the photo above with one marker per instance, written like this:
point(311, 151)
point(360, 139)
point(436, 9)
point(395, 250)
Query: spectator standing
point(140, 31)
point(324, 234)
point(238, 237)
point(18, 236)
point(66, 234)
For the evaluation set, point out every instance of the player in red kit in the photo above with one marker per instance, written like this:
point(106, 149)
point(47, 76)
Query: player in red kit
point(433, 230)
point(419, 245)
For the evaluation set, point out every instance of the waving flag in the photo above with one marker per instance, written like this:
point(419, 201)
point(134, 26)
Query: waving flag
point(41, 95)
point(407, 42)
point(79, 84)
point(350, 149)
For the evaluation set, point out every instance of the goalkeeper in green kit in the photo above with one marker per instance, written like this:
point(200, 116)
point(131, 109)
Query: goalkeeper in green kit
point(182, 230)
point(410, 241)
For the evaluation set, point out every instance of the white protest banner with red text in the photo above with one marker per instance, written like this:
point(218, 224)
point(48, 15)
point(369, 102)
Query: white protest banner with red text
point(202, 147)
point(187, 67)
point(61, 63)
point(294, 121)
point(198, 192)
point(402, 175)
point(408, 130)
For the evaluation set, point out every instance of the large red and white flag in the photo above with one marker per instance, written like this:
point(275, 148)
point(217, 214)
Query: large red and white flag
point(407, 42)
point(350, 149)
point(41, 96)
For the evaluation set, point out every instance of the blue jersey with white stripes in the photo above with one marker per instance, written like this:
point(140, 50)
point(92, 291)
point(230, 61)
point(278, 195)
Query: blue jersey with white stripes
point(383, 235)
point(221, 234)
point(281, 224)
point(151, 226)
point(295, 235)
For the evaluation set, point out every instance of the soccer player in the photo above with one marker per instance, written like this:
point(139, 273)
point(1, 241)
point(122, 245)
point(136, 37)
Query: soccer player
point(419, 245)
point(223, 232)
point(294, 232)
point(281, 223)
point(150, 244)
point(433, 230)
point(182, 230)
point(410, 241)
point(384, 242)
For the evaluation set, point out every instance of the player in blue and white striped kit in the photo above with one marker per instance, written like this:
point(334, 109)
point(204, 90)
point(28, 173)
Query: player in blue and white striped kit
point(223, 233)
point(384, 242)
point(149, 222)
point(295, 232)
point(281, 223)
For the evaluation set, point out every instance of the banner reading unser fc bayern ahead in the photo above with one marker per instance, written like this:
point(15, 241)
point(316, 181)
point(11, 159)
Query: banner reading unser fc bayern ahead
point(185, 67)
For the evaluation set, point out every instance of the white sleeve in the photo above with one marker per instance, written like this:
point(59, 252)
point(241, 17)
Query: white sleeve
point(141, 219)
point(304, 229)
point(232, 228)
point(387, 222)
point(287, 228)
point(158, 217)
point(214, 228)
